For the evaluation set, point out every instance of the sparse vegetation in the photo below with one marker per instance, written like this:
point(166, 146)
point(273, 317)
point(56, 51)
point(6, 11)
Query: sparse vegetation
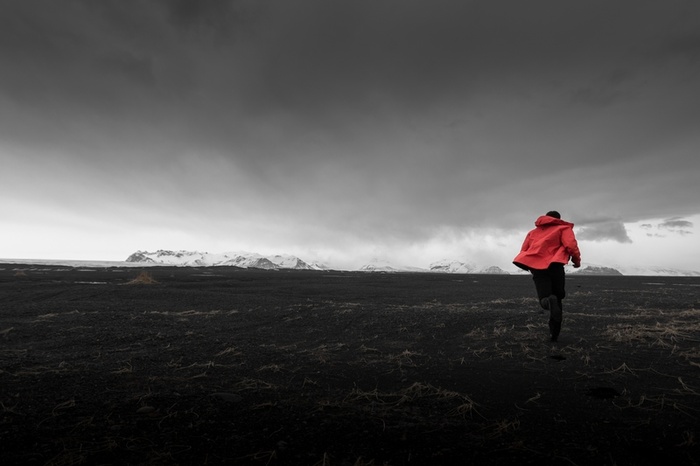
point(251, 367)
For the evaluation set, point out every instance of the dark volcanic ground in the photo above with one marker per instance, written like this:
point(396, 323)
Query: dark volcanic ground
point(231, 366)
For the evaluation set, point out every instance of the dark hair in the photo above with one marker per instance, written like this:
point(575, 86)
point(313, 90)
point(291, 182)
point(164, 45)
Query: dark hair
point(553, 213)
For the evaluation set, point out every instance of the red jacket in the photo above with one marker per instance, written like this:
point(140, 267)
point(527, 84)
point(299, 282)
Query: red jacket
point(552, 241)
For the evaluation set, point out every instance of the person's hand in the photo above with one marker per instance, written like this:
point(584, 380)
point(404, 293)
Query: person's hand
point(577, 265)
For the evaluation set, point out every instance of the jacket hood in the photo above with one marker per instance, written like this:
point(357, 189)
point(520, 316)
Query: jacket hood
point(546, 220)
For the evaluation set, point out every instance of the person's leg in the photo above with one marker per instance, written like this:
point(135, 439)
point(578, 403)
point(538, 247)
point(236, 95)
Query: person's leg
point(556, 274)
point(558, 278)
point(543, 286)
point(550, 291)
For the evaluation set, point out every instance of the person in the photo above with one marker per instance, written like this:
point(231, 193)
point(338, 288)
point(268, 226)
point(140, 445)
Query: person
point(544, 253)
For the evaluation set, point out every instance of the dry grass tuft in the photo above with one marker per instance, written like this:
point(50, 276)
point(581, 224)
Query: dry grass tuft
point(462, 404)
point(144, 278)
point(501, 427)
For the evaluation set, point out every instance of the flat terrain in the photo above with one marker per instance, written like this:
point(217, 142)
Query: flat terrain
point(231, 366)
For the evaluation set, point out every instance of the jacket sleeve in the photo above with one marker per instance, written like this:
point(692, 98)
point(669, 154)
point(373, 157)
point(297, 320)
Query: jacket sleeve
point(568, 239)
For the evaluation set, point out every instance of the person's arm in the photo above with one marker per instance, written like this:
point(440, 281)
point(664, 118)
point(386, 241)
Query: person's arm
point(569, 241)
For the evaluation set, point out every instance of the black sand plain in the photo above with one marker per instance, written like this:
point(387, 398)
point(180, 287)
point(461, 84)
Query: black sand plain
point(232, 366)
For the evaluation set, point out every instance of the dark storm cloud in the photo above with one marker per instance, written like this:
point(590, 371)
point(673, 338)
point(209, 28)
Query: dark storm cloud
point(312, 58)
point(605, 230)
point(676, 225)
point(314, 55)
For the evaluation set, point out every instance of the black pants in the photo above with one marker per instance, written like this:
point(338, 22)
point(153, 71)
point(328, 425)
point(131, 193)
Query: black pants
point(550, 282)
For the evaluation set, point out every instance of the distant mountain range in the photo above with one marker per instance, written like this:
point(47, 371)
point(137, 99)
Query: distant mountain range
point(283, 262)
point(625, 270)
point(289, 262)
point(656, 271)
point(237, 259)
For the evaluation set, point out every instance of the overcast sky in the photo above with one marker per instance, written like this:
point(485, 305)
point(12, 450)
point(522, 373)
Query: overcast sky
point(341, 131)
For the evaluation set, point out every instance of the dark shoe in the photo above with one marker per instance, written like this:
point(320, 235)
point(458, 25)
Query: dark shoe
point(544, 302)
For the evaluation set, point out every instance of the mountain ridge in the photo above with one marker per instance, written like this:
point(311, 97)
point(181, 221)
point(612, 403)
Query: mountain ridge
point(237, 259)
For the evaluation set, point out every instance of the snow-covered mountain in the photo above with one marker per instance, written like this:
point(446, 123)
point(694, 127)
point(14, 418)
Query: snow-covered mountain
point(455, 266)
point(593, 270)
point(381, 265)
point(237, 259)
point(452, 266)
point(493, 270)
